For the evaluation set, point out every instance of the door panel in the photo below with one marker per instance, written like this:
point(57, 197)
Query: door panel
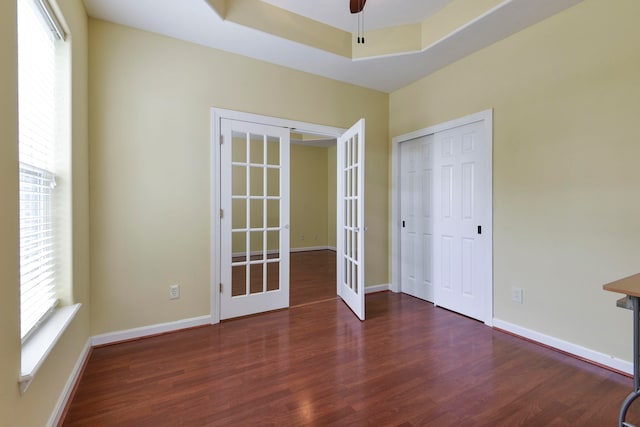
point(350, 218)
point(416, 210)
point(460, 271)
point(254, 244)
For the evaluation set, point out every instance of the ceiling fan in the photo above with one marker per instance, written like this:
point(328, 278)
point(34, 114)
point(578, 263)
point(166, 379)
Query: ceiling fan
point(357, 6)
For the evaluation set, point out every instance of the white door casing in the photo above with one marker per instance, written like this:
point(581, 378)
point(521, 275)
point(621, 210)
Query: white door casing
point(416, 233)
point(254, 223)
point(350, 218)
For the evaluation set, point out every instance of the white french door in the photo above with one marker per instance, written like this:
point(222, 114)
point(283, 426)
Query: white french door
point(416, 206)
point(254, 224)
point(350, 220)
point(462, 250)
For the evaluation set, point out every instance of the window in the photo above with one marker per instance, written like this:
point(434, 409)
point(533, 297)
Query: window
point(44, 155)
point(39, 35)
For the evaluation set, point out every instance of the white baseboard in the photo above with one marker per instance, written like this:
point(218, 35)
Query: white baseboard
point(313, 248)
point(145, 331)
point(576, 350)
point(376, 288)
point(58, 411)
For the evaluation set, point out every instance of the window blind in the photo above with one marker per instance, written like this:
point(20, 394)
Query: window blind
point(36, 134)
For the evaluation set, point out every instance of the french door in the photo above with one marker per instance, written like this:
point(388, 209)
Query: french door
point(254, 218)
point(350, 220)
point(254, 224)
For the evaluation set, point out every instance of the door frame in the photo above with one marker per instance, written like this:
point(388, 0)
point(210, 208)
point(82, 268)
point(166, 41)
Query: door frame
point(217, 114)
point(486, 117)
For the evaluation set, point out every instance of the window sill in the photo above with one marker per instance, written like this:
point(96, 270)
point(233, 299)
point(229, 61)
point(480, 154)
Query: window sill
point(40, 344)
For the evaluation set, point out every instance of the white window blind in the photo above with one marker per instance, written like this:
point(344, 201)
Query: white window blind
point(37, 141)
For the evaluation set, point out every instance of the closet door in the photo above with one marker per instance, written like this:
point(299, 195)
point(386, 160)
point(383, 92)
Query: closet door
point(416, 210)
point(462, 221)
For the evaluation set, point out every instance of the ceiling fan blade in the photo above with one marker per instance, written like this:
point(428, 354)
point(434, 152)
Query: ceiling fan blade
point(356, 6)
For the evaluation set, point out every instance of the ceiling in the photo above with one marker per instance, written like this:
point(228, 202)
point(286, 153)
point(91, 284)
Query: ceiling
point(406, 39)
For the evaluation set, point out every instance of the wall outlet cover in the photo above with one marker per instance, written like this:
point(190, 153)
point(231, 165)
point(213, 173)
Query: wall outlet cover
point(516, 295)
point(174, 291)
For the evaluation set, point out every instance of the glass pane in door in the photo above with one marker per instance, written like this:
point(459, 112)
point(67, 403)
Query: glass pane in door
point(258, 230)
point(239, 280)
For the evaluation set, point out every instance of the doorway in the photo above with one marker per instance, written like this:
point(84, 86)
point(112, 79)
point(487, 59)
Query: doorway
point(255, 182)
point(313, 219)
point(442, 215)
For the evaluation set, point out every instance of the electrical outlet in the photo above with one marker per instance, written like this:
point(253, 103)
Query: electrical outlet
point(302, 237)
point(516, 295)
point(174, 291)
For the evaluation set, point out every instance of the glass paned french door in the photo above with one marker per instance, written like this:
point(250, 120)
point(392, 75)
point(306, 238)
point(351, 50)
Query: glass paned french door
point(350, 221)
point(254, 218)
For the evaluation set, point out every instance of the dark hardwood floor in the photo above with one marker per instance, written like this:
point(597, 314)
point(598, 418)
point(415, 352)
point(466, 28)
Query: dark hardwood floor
point(408, 364)
point(312, 277)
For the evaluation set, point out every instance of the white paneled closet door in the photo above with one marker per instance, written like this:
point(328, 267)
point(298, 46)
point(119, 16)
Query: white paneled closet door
point(416, 211)
point(462, 182)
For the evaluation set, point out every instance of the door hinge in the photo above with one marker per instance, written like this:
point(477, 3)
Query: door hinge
point(221, 139)
point(221, 213)
point(220, 287)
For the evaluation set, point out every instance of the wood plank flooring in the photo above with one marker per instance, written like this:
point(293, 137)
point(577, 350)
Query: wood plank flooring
point(408, 364)
point(312, 277)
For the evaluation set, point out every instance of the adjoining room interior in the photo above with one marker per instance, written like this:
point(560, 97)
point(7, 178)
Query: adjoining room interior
point(130, 331)
point(313, 223)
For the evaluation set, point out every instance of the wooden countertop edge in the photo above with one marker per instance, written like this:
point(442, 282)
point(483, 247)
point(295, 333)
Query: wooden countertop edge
point(628, 286)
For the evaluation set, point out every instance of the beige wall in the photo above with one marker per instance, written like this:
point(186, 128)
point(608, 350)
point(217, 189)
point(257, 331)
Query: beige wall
point(36, 406)
point(150, 100)
point(309, 196)
point(9, 272)
point(566, 100)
